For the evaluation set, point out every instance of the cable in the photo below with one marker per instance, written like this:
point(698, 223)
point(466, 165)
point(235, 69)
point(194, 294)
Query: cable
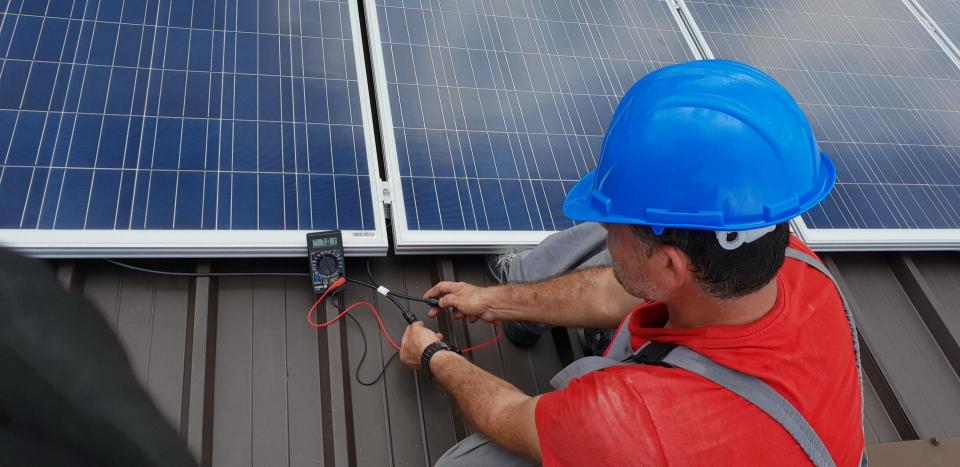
point(363, 356)
point(408, 315)
point(206, 274)
point(376, 314)
point(340, 282)
point(487, 343)
point(376, 285)
point(432, 302)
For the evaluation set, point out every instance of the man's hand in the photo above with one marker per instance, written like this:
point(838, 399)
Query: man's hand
point(415, 339)
point(466, 300)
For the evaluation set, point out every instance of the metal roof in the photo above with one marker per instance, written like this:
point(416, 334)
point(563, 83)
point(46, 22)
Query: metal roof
point(232, 363)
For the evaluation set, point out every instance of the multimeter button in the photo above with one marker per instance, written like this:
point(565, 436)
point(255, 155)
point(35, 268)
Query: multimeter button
point(327, 265)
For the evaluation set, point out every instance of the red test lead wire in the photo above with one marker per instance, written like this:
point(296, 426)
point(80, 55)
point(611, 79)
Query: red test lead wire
point(489, 342)
point(339, 282)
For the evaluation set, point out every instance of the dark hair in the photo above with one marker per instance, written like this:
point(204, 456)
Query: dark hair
point(725, 273)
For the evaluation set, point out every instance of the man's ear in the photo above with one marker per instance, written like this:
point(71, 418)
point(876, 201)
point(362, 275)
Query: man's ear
point(676, 266)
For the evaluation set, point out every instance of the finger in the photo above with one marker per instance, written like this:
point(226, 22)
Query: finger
point(442, 288)
point(416, 325)
point(457, 315)
point(472, 319)
point(450, 300)
point(440, 335)
point(433, 312)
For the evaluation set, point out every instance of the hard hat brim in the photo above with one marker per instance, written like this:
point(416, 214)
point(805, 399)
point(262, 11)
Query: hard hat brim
point(581, 206)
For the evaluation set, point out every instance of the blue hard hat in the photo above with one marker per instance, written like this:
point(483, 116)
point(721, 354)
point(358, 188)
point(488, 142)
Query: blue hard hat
point(710, 144)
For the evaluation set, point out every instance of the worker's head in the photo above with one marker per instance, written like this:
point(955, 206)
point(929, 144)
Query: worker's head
point(656, 267)
point(702, 167)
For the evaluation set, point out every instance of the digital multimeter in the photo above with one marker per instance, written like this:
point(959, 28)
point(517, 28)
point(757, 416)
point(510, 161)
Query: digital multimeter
point(325, 252)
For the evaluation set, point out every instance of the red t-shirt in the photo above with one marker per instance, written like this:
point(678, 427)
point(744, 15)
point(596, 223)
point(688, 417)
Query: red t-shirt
point(651, 415)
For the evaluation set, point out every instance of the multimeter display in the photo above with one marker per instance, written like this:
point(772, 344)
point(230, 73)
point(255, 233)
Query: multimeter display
point(325, 242)
point(325, 253)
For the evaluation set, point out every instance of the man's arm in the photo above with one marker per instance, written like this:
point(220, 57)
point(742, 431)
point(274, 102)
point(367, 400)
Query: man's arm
point(495, 407)
point(587, 298)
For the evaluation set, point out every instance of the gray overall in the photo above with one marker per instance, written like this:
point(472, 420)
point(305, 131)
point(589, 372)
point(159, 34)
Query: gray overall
point(476, 450)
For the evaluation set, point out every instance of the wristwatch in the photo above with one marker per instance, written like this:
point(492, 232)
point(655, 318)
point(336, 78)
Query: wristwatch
point(433, 349)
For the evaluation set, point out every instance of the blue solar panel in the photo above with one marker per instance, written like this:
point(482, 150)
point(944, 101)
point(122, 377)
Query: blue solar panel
point(182, 115)
point(946, 13)
point(499, 107)
point(883, 96)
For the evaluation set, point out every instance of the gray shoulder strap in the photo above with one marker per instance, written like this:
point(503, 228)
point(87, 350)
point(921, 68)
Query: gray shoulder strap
point(819, 266)
point(759, 394)
point(579, 368)
point(809, 261)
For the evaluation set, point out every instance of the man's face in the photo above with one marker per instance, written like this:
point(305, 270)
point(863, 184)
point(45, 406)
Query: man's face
point(631, 264)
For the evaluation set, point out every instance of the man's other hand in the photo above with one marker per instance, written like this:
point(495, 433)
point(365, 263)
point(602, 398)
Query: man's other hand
point(467, 301)
point(415, 339)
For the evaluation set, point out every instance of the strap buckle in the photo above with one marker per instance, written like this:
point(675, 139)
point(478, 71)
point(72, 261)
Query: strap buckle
point(741, 237)
point(652, 353)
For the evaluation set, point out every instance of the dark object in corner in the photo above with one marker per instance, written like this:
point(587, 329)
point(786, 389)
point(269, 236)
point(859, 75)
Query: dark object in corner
point(68, 395)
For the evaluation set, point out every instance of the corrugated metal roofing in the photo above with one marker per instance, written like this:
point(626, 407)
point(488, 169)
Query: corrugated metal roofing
point(232, 363)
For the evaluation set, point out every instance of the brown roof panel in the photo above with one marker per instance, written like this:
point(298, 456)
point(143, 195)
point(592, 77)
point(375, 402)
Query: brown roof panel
point(232, 362)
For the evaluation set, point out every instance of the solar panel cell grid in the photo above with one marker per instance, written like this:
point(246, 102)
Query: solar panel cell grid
point(181, 114)
point(946, 13)
point(498, 107)
point(883, 97)
point(248, 114)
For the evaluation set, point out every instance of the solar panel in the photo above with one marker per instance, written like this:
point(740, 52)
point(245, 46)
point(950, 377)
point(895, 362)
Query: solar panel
point(884, 99)
point(946, 14)
point(491, 110)
point(177, 127)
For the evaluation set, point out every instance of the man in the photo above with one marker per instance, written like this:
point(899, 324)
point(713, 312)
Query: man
point(733, 346)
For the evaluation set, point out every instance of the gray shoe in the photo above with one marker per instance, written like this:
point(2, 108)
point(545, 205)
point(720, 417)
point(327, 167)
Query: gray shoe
point(595, 341)
point(520, 334)
point(498, 265)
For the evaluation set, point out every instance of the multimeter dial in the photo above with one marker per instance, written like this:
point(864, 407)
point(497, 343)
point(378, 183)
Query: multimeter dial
point(327, 264)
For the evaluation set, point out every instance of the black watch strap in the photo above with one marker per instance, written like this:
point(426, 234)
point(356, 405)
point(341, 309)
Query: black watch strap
point(432, 349)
